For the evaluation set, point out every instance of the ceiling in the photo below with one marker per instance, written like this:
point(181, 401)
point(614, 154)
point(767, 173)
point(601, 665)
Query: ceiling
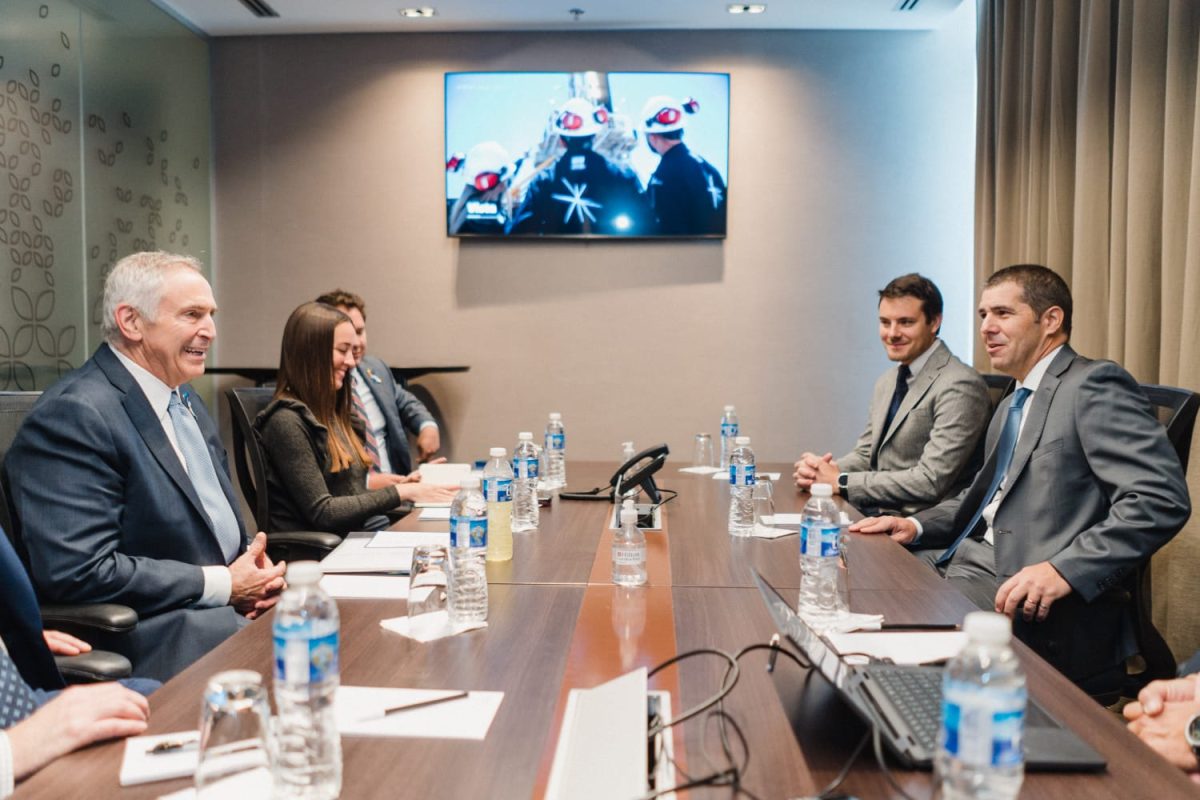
point(233, 18)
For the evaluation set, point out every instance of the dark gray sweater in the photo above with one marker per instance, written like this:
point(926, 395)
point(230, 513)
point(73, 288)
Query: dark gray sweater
point(305, 493)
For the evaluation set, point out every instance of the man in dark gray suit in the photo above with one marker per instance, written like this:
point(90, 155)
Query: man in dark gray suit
point(121, 483)
point(388, 409)
point(1079, 487)
point(926, 416)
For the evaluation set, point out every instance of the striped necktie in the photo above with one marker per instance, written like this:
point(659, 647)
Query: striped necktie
point(16, 698)
point(369, 440)
point(204, 477)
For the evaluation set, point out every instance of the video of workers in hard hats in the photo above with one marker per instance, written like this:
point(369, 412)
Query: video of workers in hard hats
point(587, 154)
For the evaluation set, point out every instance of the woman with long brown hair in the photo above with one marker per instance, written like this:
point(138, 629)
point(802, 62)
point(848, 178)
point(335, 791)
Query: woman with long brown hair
point(317, 465)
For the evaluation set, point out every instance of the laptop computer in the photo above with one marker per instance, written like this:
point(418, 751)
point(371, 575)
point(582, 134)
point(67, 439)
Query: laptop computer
point(905, 701)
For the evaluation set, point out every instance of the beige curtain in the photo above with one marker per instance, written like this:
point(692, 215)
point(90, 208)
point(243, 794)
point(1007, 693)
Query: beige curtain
point(1088, 161)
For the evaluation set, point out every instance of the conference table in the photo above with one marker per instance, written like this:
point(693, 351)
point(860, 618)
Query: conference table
point(557, 622)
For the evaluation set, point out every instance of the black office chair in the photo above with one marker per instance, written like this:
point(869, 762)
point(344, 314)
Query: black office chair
point(250, 462)
point(91, 622)
point(1176, 410)
point(999, 387)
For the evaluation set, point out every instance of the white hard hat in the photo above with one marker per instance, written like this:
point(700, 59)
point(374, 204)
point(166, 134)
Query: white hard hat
point(663, 114)
point(579, 117)
point(486, 164)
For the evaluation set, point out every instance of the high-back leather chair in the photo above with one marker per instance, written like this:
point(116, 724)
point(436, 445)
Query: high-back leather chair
point(87, 621)
point(250, 462)
point(999, 387)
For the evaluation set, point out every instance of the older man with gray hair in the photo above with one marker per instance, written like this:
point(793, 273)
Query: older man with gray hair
point(121, 484)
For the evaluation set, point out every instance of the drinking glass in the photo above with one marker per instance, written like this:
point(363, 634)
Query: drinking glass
point(702, 452)
point(764, 501)
point(427, 582)
point(235, 737)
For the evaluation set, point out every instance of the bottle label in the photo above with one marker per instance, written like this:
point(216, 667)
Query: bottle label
point(983, 727)
point(498, 490)
point(729, 429)
point(302, 659)
point(628, 556)
point(741, 475)
point(468, 531)
point(817, 540)
point(556, 441)
point(525, 468)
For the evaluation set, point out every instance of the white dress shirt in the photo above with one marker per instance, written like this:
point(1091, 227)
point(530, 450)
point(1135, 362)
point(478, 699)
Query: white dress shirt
point(218, 583)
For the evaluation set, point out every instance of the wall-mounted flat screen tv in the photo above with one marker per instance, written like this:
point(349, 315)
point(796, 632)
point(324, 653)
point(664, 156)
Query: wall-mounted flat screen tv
point(587, 154)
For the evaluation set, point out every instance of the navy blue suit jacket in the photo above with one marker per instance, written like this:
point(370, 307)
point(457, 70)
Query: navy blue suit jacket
point(21, 623)
point(400, 407)
point(108, 513)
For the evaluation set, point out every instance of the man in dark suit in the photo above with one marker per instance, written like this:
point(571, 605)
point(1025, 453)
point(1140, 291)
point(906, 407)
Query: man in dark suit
point(121, 485)
point(387, 407)
point(1080, 486)
point(926, 415)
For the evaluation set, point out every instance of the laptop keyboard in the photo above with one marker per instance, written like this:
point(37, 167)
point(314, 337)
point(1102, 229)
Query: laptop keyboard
point(917, 696)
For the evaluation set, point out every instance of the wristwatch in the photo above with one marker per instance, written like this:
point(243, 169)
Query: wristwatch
point(843, 483)
point(1192, 733)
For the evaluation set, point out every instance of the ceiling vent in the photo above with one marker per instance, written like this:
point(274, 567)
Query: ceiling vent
point(259, 8)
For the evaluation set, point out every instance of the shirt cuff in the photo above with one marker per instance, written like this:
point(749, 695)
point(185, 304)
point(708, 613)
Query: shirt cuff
point(6, 766)
point(218, 586)
point(920, 529)
point(429, 423)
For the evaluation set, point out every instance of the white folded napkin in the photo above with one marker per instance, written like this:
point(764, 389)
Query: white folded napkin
point(428, 627)
point(766, 532)
point(700, 470)
point(847, 622)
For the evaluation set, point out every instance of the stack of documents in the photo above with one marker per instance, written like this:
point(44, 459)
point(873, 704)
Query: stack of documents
point(380, 551)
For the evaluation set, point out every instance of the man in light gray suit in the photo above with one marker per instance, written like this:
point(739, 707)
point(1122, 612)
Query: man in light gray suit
point(926, 418)
point(1080, 486)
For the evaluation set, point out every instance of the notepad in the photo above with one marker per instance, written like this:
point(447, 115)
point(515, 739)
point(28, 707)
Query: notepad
point(370, 587)
point(140, 766)
point(379, 551)
point(357, 711)
point(901, 647)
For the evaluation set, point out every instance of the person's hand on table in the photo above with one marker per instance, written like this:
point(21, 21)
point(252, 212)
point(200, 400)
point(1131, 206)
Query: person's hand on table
point(429, 441)
point(256, 581)
point(64, 644)
point(1032, 590)
point(427, 492)
point(808, 469)
point(900, 529)
point(382, 480)
point(1155, 696)
point(1164, 732)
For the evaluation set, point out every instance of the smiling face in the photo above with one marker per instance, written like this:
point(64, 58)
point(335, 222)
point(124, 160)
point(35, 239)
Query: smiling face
point(360, 330)
point(903, 329)
point(344, 340)
point(175, 343)
point(1016, 338)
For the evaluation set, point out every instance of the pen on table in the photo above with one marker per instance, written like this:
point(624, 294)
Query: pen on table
point(919, 626)
point(446, 698)
point(173, 746)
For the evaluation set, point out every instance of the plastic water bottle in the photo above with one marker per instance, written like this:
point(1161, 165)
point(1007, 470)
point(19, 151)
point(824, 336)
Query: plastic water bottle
point(729, 432)
point(629, 551)
point(820, 554)
point(741, 488)
point(525, 479)
point(308, 761)
point(498, 491)
point(556, 452)
point(980, 756)
point(627, 452)
point(468, 549)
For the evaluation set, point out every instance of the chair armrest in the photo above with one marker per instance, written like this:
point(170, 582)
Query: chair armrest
point(301, 545)
point(103, 617)
point(94, 667)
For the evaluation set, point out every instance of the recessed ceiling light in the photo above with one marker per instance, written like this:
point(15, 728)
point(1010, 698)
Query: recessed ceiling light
point(746, 8)
point(417, 13)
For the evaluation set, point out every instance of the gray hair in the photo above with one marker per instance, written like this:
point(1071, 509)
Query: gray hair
point(137, 280)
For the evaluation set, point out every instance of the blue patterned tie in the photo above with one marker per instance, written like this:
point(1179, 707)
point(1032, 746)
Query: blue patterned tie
point(204, 476)
point(16, 698)
point(1005, 448)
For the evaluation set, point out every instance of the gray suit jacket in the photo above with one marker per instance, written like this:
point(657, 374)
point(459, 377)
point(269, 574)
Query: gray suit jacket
point(108, 513)
point(400, 407)
point(928, 451)
point(1094, 488)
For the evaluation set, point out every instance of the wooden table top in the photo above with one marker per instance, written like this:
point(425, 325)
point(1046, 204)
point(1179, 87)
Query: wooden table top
point(555, 622)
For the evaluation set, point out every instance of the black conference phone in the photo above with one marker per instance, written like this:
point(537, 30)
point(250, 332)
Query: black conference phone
point(637, 471)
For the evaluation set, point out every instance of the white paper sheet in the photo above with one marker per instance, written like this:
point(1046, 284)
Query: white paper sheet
point(766, 532)
point(700, 470)
point(409, 539)
point(372, 587)
point(902, 647)
point(357, 710)
point(444, 474)
point(787, 519)
point(428, 627)
point(139, 766)
point(435, 514)
point(252, 783)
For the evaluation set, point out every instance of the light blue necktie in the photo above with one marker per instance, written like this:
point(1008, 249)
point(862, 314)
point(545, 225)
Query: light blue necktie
point(204, 476)
point(16, 698)
point(1005, 448)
